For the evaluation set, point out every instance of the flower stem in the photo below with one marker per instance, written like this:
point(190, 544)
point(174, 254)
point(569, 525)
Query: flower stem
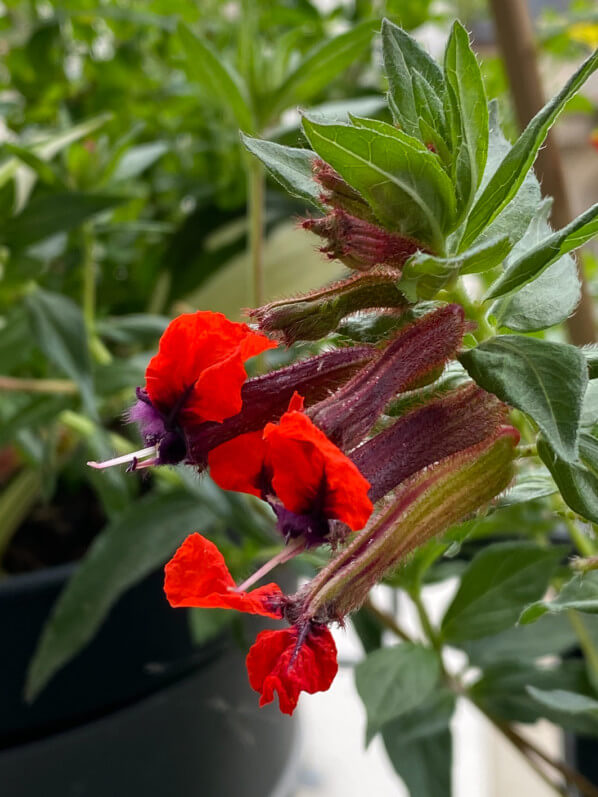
point(386, 620)
point(583, 543)
point(287, 553)
point(38, 385)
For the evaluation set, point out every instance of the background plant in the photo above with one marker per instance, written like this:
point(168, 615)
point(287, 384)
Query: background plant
point(105, 226)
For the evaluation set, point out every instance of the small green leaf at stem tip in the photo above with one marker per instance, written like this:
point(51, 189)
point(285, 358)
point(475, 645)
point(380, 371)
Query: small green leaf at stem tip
point(292, 167)
point(577, 484)
point(533, 263)
point(470, 109)
point(498, 583)
point(545, 380)
point(508, 177)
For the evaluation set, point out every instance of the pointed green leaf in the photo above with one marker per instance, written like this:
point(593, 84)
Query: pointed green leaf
point(577, 484)
point(567, 702)
point(322, 64)
point(291, 166)
point(515, 218)
point(507, 179)
point(407, 189)
point(529, 487)
point(403, 58)
point(424, 274)
point(580, 593)
point(59, 330)
point(470, 108)
point(130, 547)
point(500, 580)
point(545, 380)
point(205, 66)
point(393, 681)
point(388, 130)
point(551, 297)
point(535, 262)
point(54, 213)
point(136, 160)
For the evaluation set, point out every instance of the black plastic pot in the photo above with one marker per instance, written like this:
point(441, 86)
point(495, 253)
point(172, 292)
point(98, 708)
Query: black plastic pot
point(140, 712)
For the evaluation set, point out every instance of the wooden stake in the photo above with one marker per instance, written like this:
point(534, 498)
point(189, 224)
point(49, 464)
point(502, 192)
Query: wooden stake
point(516, 39)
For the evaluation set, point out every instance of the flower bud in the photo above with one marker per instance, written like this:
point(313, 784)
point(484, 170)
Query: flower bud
point(339, 194)
point(424, 506)
point(316, 314)
point(265, 398)
point(347, 416)
point(360, 244)
point(460, 419)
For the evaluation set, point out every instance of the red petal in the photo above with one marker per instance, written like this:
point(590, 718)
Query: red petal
point(306, 463)
point(197, 575)
point(191, 345)
point(238, 464)
point(276, 664)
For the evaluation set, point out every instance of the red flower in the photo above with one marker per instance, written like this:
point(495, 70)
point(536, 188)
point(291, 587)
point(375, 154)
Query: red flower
point(198, 372)
point(289, 662)
point(198, 576)
point(298, 463)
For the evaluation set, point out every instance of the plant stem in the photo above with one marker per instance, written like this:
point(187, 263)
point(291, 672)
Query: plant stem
point(255, 209)
point(583, 543)
point(573, 777)
point(96, 348)
point(474, 311)
point(386, 620)
point(426, 623)
point(38, 385)
point(586, 643)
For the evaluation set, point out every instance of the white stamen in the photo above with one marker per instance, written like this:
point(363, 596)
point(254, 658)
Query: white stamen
point(287, 553)
point(144, 452)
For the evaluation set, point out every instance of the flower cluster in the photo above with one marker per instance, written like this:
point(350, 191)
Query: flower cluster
point(313, 441)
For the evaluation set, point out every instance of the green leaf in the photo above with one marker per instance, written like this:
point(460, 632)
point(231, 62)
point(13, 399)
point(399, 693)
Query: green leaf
point(515, 218)
point(580, 593)
point(499, 581)
point(407, 189)
point(470, 108)
point(291, 166)
point(551, 635)
point(404, 58)
point(59, 330)
point(419, 745)
point(430, 273)
point(323, 64)
point(509, 176)
point(534, 263)
point(503, 691)
point(131, 547)
point(545, 380)
point(54, 213)
point(577, 485)
point(137, 159)
point(551, 297)
point(529, 487)
point(388, 130)
point(393, 681)
point(205, 66)
point(567, 702)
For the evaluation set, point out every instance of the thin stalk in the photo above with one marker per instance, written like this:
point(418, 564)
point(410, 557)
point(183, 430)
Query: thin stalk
point(88, 300)
point(426, 623)
point(473, 311)
point(255, 210)
point(38, 385)
point(386, 620)
point(586, 643)
point(571, 775)
point(583, 543)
